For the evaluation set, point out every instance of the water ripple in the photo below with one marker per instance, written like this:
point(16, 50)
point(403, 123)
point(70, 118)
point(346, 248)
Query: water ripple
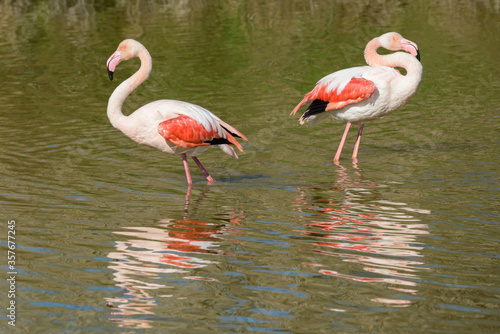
point(378, 238)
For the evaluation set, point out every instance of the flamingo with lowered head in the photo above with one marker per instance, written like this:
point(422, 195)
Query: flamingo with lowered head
point(174, 127)
point(358, 95)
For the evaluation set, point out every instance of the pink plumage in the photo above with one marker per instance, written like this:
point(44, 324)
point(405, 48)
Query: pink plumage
point(171, 126)
point(184, 132)
point(363, 94)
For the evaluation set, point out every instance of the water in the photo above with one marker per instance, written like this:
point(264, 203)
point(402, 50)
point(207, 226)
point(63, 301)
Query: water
point(109, 238)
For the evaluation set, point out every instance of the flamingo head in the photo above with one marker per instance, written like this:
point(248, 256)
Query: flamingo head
point(395, 42)
point(127, 49)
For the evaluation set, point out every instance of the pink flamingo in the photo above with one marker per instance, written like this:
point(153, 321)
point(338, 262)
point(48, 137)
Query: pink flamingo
point(363, 94)
point(174, 127)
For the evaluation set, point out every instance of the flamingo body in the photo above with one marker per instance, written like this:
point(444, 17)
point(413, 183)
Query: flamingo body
point(170, 126)
point(363, 94)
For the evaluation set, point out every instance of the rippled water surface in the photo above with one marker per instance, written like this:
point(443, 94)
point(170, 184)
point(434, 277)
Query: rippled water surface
point(110, 239)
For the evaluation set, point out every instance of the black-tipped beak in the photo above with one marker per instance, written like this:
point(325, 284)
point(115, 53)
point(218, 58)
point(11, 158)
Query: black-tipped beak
point(112, 62)
point(418, 55)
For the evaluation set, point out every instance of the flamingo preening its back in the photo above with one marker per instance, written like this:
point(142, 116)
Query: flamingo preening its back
point(358, 95)
point(174, 127)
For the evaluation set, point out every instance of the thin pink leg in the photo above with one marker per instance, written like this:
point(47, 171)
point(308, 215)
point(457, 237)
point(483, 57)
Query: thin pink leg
point(186, 204)
point(358, 140)
point(209, 178)
point(186, 168)
point(342, 142)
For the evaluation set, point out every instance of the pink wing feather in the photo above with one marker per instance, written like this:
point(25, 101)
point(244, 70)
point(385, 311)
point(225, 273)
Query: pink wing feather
point(185, 131)
point(356, 90)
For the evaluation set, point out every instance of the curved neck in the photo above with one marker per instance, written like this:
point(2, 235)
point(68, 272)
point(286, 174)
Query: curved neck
point(371, 56)
point(404, 60)
point(121, 92)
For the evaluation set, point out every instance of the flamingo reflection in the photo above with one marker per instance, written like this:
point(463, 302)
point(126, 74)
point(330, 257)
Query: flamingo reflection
point(145, 258)
point(352, 221)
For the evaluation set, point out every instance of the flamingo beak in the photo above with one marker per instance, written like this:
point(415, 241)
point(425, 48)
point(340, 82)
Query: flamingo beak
point(410, 47)
point(112, 62)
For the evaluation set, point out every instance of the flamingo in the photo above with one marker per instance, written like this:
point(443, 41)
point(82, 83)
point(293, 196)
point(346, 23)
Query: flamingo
point(358, 95)
point(175, 127)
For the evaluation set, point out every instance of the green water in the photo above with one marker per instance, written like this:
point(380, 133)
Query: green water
point(404, 241)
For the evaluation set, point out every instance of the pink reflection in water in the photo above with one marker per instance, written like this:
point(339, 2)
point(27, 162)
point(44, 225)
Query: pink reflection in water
point(144, 257)
point(353, 222)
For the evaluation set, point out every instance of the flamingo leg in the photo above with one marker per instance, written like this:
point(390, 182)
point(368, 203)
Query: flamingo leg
point(342, 142)
point(186, 168)
point(186, 204)
point(358, 140)
point(209, 178)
